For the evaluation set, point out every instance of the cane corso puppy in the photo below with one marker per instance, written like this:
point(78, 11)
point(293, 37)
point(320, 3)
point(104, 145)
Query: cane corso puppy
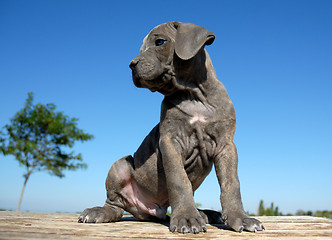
point(196, 129)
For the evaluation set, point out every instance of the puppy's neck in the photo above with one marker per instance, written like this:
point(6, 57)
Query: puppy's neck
point(192, 71)
point(194, 78)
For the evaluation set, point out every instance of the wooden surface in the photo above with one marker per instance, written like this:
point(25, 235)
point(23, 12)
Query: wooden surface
point(65, 226)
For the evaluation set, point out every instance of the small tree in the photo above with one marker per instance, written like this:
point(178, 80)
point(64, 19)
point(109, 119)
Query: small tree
point(271, 211)
point(36, 137)
point(261, 209)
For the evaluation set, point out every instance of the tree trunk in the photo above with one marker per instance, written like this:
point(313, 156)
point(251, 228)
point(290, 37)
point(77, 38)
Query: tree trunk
point(23, 188)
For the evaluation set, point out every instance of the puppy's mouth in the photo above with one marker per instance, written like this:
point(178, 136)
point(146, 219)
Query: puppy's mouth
point(142, 79)
point(137, 81)
point(149, 84)
point(162, 83)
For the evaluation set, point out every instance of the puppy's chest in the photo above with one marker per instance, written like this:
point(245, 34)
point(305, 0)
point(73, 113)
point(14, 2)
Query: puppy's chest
point(196, 112)
point(196, 141)
point(194, 129)
point(194, 125)
point(197, 119)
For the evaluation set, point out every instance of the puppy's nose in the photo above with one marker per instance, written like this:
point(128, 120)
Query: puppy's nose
point(133, 63)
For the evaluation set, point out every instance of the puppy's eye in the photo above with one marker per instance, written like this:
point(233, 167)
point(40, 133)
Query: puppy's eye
point(160, 42)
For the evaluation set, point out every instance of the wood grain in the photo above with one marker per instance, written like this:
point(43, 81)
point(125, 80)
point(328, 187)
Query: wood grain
point(65, 226)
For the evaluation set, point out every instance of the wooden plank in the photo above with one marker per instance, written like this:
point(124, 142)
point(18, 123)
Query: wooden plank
point(65, 226)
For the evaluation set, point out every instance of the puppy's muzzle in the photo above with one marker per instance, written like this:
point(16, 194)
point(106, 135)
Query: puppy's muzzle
point(145, 70)
point(133, 65)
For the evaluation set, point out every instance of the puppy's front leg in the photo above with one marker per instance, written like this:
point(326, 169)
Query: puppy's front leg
point(185, 216)
point(233, 213)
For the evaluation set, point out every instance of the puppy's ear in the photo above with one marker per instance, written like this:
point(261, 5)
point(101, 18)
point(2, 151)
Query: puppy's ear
point(190, 38)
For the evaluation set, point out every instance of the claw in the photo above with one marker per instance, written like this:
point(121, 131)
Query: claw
point(195, 231)
point(173, 229)
point(204, 229)
point(255, 230)
point(241, 229)
point(263, 228)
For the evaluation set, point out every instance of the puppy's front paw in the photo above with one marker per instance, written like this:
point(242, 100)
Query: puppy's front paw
point(94, 215)
point(187, 222)
point(240, 221)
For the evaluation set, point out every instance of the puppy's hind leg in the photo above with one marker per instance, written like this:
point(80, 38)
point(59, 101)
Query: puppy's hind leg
point(114, 206)
point(211, 216)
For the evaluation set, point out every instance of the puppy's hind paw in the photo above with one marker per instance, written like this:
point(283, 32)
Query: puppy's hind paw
point(94, 215)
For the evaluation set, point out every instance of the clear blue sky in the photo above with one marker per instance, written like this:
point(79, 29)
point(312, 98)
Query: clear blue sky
point(274, 57)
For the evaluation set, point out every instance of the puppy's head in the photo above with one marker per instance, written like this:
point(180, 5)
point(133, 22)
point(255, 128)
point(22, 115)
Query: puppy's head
point(154, 67)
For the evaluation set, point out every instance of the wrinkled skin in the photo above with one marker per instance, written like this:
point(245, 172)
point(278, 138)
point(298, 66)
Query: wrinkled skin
point(196, 130)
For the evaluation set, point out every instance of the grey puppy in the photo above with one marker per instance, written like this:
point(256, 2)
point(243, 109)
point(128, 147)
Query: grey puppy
point(196, 130)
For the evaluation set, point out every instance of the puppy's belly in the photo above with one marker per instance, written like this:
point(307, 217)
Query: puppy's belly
point(140, 203)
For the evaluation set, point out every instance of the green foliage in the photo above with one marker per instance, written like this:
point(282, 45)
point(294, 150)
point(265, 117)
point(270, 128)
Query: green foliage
point(300, 212)
point(274, 211)
point(271, 211)
point(37, 136)
point(198, 205)
point(261, 209)
point(325, 213)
